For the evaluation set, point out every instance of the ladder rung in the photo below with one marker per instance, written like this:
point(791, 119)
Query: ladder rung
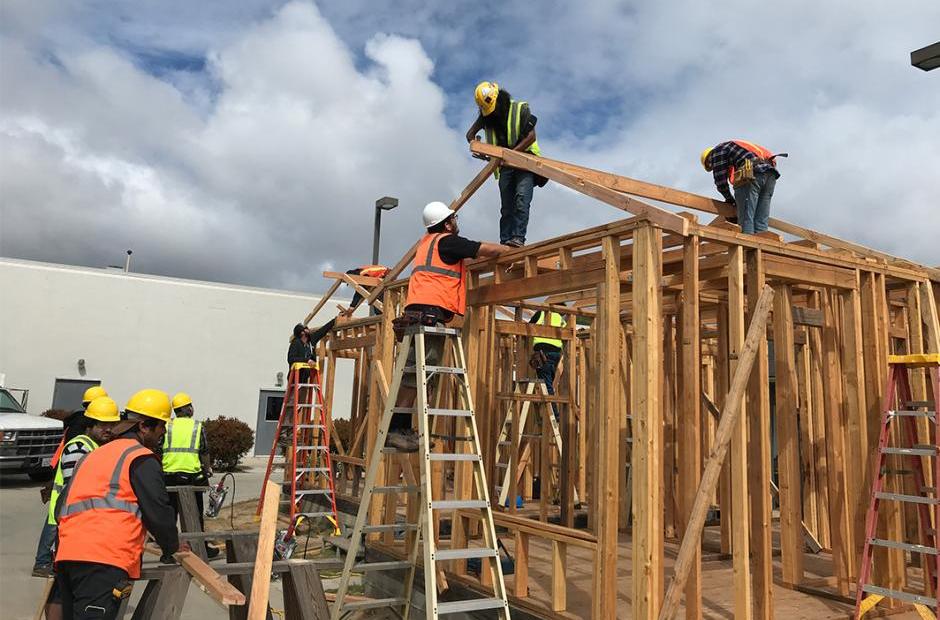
point(475, 604)
point(310, 515)
point(307, 384)
point(310, 426)
point(914, 499)
point(396, 489)
point(900, 596)
point(914, 451)
point(427, 329)
point(463, 554)
point(452, 437)
point(311, 447)
point(317, 469)
point(455, 504)
point(457, 413)
point(370, 566)
point(502, 465)
point(441, 456)
point(531, 435)
point(312, 492)
point(307, 405)
point(912, 414)
point(893, 544)
point(373, 603)
point(444, 370)
point(390, 527)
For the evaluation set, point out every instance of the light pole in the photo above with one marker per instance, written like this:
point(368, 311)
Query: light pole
point(385, 203)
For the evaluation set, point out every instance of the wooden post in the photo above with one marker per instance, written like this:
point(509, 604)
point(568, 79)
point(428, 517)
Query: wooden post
point(758, 407)
point(668, 387)
point(857, 441)
point(724, 435)
point(788, 446)
point(261, 581)
point(559, 576)
point(740, 523)
point(690, 428)
point(722, 383)
point(647, 430)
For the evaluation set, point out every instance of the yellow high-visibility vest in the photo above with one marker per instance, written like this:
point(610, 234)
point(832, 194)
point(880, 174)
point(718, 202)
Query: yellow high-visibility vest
point(555, 321)
point(513, 128)
point(181, 446)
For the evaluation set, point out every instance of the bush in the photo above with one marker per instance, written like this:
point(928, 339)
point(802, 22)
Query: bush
point(344, 432)
point(229, 440)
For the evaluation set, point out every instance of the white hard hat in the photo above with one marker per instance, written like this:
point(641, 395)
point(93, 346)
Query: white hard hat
point(435, 213)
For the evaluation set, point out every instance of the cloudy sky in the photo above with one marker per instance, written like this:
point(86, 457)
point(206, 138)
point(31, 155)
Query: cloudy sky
point(246, 141)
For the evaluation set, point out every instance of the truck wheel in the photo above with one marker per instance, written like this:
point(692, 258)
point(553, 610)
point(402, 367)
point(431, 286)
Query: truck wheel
point(41, 475)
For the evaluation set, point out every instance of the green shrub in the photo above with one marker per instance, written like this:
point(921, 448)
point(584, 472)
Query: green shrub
point(229, 440)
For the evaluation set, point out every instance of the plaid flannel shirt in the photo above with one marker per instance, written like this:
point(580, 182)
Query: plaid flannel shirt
point(728, 155)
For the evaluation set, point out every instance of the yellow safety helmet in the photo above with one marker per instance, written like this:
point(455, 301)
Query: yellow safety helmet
point(181, 400)
point(103, 409)
point(485, 96)
point(705, 155)
point(92, 393)
point(150, 403)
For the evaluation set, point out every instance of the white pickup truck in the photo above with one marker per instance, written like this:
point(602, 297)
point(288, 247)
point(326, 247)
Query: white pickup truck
point(27, 442)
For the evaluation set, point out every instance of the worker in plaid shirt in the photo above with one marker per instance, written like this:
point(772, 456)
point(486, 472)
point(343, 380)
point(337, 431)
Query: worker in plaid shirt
point(754, 186)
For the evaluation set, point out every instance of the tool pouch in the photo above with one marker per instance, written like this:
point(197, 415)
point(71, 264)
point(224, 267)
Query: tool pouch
point(745, 174)
point(538, 359)
point(122, 589)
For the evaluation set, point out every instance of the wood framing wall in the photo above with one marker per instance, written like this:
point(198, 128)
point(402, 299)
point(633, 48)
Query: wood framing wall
point(656, 309)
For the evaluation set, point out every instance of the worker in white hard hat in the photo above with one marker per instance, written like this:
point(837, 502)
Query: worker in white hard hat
point(509, 123)
point(436, 294)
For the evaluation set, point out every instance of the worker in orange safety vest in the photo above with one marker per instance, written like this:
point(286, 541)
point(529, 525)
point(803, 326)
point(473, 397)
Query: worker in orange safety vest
point(115, 497)
point(437, 292)
point(752, 170)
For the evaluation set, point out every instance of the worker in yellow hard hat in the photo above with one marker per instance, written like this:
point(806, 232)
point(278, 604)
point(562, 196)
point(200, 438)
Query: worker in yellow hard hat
point(186, 459)
point(99, 419)
point(510, 124)
point(115, 498)
point(73, 425)
point(752, 170)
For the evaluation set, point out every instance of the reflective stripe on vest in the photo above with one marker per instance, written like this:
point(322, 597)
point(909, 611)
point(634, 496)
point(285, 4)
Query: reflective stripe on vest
point(100, 520)
point(435, 283)
point(181, 446)
point(58, 483)
point(555, 321)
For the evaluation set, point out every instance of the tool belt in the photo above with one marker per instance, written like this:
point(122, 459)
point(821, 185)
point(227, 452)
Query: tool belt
point(745, 174)
point(538, 359)
point(410, 318)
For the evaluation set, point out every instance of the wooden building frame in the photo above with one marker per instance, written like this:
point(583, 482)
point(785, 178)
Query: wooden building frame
point(657, 307)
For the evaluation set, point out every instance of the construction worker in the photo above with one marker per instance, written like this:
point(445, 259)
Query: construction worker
point(752, 170)
point(116, 496)
point(436, 294)
point(74, 424)
point(100, 417)
point(186, 459)
point(369, 271)
point(510, 124)
point(546, 352)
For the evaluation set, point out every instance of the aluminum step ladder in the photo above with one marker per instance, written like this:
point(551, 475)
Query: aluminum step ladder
point(504, 447)
point(308, 466)
point(927, 501)
point(468, 451)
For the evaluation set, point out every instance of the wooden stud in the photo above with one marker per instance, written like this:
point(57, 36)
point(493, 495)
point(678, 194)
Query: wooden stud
point(261, 581)
point(647, 432)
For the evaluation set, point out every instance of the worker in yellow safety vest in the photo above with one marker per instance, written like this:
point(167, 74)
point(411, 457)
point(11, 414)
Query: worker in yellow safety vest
point(509, 123)
point(186, 459)
point(546, 352)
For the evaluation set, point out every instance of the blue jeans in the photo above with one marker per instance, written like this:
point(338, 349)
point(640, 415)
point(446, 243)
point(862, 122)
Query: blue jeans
point(753, 202)
point(46, 539)
point(515, 194)
point(547, 373)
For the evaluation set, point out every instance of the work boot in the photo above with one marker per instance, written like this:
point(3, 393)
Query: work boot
point(414, 435)
point(402, 440)
point(212, 552)
point(515, 242)
point(42, 570)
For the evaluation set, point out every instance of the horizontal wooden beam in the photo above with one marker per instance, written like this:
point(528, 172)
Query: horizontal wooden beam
point(790, 270)
point(533, 331)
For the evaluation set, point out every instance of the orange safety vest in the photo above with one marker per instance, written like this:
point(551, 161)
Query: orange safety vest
point(757, 149)
point(54, 463)
point(435, 283)
point(100, 519)
point(373, 271)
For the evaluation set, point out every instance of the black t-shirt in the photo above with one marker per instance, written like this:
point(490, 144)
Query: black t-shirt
point(451, 249)
point(497, 122)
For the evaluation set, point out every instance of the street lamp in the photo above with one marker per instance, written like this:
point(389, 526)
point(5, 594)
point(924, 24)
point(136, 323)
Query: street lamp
point(926, 58)
point(385, 203)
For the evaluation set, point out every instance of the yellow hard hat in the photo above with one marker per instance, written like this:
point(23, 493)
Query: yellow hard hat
point(181, 400)
point(103, 409)
point(705, 155)
point(92, 393)
point(485, 96)
point(151, 403)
